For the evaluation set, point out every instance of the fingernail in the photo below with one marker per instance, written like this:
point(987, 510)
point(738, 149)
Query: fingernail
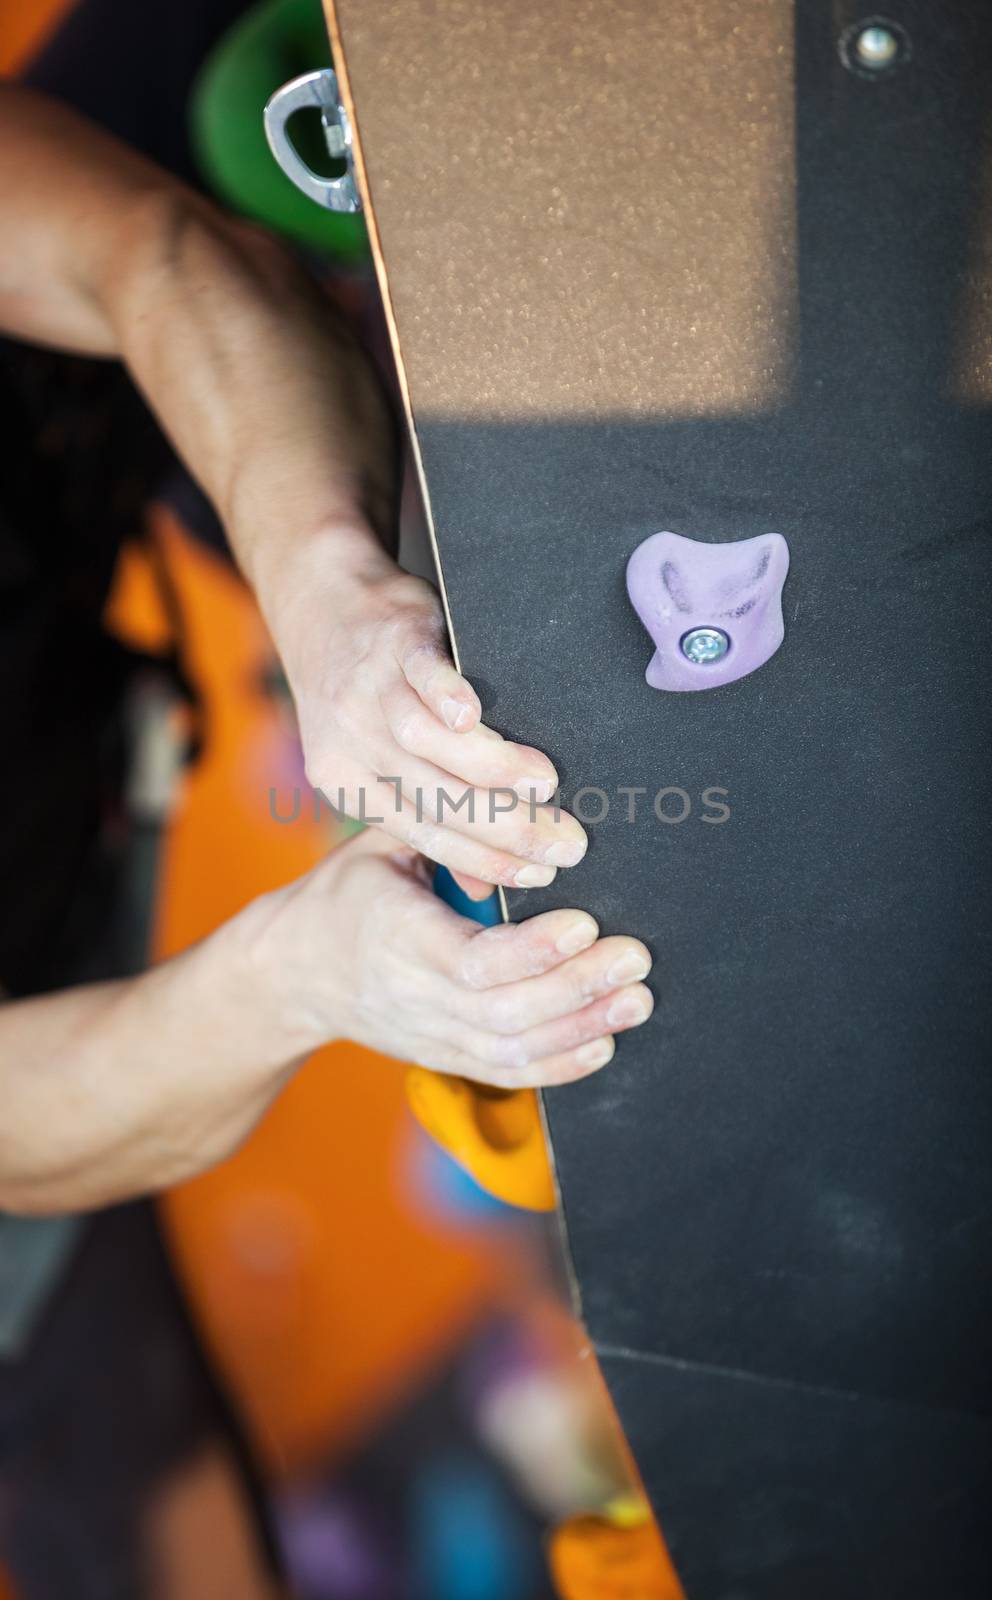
point(596, 1054)
point(537, 789)
point(456, 714)
point(534, 877)
point(579, 935)
point(628, 968)
point(630, 1009)
point(566, 853)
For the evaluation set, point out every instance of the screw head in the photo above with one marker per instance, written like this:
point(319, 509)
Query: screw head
point(876, 46)
point(702, 646)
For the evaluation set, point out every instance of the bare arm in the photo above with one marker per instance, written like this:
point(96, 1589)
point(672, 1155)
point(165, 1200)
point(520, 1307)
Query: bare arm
point(274, 408)
point(116, 1089)
point(260, 384)
point(120, 1088)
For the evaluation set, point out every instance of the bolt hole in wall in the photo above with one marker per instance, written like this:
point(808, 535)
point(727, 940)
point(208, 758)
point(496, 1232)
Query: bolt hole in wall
point(874, 47)
point(394, 1337)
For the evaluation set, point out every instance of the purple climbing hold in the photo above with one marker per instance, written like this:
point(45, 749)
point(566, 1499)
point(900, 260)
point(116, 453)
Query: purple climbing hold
point(714, 611)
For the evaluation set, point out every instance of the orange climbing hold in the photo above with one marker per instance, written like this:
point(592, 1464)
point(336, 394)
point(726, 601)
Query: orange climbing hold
point(617, 1556)
point(495, 1134)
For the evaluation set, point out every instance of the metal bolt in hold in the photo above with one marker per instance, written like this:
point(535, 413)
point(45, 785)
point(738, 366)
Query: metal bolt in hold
point(704, 645)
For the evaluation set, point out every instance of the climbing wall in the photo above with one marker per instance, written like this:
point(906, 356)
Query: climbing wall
point(722, 269)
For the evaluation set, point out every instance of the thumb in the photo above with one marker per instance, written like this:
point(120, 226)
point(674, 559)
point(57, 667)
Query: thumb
point(428, 668)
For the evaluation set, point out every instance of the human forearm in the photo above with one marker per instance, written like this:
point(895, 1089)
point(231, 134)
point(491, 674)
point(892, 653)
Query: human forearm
point(278, 415)
point(117, 1089)
point(262, 387)
point(250, 369)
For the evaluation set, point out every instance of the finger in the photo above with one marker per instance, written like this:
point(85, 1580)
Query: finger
point(405, 862)
point(515, 1053)
point(463, 855)
point(427, 666)
point(499, 819)
point(610, 965)
point(568, 1067)
point(514, 950)
point(473, 887)
point(375, 800)
point(480, 758)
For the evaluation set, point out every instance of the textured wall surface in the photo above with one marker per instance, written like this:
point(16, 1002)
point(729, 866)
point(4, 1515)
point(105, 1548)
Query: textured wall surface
point(560, 175)
point(743, 310)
